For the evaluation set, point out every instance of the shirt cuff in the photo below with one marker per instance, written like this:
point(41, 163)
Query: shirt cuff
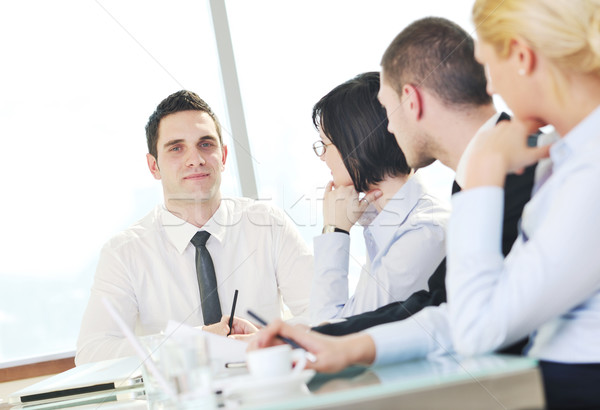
point(424, 334)
point(331, 251)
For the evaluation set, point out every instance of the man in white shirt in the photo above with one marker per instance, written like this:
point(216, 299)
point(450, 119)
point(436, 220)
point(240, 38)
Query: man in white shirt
point(148, 272)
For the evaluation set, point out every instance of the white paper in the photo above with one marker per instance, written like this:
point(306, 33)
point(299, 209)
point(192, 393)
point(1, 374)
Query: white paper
point(221, 349)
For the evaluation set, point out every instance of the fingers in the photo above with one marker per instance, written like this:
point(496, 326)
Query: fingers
point(243, 338)
point(218, 328)
point(369, 197)
point(542, 152)
point(268, 336)
point(241, 326)
point(531, 126)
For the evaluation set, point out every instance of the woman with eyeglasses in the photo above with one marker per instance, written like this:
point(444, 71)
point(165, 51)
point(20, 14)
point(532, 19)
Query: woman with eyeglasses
point(403, 224)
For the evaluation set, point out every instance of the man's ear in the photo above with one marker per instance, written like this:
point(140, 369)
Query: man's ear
point(224, 158)
point(153, 166)
point(411, 99)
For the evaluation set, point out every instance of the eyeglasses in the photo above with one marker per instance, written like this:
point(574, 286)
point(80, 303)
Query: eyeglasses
point(320, 147)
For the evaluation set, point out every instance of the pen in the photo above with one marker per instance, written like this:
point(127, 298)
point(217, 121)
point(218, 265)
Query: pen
point(311, 357)
point(232, 312)
point(235, 365)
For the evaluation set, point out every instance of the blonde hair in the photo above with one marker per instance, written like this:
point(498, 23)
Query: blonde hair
point(566, 32)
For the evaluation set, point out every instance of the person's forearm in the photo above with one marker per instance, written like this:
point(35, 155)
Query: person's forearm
point(359, 348)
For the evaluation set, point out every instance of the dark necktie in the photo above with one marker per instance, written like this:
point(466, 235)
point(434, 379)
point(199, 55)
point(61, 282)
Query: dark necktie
point(207, 281)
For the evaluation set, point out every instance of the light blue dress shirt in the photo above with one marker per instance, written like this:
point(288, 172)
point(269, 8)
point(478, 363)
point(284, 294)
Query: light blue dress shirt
point(405, 243)
point(550, 282)
point(548, 286)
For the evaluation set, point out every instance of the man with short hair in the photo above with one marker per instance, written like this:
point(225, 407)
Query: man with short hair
point(149, 271)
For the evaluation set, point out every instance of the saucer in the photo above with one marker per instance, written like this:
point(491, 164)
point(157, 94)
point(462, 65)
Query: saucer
point(249, 388)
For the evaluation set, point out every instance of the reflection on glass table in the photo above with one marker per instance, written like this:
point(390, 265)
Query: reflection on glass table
point(492, 381)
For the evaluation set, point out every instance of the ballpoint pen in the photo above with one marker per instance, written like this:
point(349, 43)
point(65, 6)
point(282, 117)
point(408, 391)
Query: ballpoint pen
point(232, 312)
point(311, 357)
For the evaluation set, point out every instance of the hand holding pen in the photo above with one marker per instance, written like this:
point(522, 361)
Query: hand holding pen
point(311, 357)
point(332, 353)
point(231, 325)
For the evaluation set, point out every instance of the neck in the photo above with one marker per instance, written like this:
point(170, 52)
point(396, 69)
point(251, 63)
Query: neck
point(193, 210)
point(388, 187)
point(453, 129)
point(582, 97)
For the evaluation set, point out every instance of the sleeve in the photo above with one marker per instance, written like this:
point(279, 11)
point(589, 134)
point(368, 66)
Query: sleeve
point(403, 268)
point(294, 267)
point(330, 282)
point(394, 311)
point(100, 337)
point(495, 301)
point(425, 334)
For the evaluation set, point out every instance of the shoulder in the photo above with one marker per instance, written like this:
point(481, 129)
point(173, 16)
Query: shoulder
point(136, 234)
point(427, 205)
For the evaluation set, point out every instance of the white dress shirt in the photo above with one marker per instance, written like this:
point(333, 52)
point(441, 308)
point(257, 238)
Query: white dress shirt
point(148, 272)
point(548, 286)
point(405, 243)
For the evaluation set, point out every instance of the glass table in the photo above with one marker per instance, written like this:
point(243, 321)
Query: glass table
point(490, 382)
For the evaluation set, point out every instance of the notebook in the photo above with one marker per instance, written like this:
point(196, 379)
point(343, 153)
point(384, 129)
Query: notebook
point(105, 378)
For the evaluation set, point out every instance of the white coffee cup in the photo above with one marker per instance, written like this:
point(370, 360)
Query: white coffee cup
point(275, 361)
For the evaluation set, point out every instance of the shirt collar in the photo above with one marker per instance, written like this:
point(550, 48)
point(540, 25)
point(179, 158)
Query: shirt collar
point(576, 140)
point(180, 232)
point(383, 227)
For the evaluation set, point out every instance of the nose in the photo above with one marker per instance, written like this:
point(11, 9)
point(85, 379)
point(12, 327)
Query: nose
point(194, 159)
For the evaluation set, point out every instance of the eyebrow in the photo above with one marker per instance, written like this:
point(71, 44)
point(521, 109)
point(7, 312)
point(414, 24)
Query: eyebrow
point(172, 142)
point(180, 140)
point(208, 137)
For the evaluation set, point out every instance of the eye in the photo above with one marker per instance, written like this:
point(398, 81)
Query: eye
point(175, 148)
point(207, 144)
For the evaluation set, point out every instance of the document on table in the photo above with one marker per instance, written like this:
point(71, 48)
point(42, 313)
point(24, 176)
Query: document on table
point(88, 379)
point(221, 349)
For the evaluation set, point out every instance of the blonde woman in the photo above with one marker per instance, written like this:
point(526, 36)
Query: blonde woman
point(543, 58)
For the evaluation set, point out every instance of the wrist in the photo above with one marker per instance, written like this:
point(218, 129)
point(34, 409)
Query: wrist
point(360, 349)
point(485, 170)
point(332, 228)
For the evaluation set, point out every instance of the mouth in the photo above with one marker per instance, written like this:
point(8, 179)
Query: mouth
point(196, 176)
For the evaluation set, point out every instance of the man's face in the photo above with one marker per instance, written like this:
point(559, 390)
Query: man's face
point(190, 158)
point(409, 136)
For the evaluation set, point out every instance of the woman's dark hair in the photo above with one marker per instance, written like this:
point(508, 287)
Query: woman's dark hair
point(353, 119)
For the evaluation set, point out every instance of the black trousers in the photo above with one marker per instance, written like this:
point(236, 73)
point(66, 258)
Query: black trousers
point(571, 386)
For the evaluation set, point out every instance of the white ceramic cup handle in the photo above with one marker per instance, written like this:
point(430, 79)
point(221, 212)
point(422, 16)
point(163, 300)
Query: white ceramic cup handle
point(299, 357)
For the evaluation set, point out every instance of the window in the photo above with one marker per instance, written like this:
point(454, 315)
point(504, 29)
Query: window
point(289, 55)
point(79, 80)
